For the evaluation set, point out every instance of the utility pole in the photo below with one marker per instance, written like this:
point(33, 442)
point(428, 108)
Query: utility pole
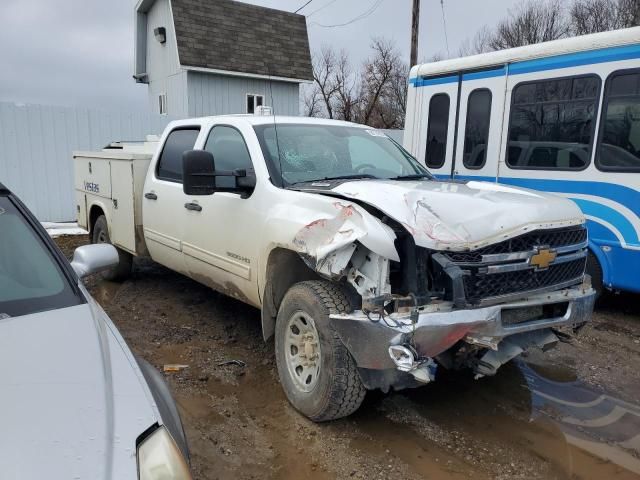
point(415, 20)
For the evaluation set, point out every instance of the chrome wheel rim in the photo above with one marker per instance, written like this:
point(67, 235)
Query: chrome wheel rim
point(302, 351)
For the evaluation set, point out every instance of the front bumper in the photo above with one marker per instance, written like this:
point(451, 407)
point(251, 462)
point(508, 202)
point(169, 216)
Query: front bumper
point(433, 329)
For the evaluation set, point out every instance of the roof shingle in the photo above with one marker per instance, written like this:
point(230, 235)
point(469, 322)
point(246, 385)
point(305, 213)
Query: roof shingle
point(239, 37)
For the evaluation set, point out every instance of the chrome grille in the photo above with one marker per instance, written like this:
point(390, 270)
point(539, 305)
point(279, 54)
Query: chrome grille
point(480, 287)
point(553, 238)
point(512, 268)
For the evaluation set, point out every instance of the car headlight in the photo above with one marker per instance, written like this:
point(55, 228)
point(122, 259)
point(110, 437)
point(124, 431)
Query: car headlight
point(159, 458)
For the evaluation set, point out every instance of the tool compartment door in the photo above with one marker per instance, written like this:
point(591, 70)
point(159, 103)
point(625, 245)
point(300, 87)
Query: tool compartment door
point(122, 229)
point(93, 175)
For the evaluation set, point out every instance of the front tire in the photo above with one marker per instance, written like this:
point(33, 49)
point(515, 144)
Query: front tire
point(317, 372)
point(122, 271)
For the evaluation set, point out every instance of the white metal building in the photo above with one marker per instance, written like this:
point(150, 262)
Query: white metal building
point(212, 57)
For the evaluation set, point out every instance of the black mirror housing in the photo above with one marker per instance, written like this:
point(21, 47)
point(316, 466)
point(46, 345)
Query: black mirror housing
point(198, 172)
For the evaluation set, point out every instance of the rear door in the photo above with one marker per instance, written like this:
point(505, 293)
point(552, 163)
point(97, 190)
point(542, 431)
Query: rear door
point(163, 203)
point(480, 119)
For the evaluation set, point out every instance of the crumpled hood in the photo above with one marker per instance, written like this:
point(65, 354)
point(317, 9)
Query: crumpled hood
point(457, 216)
point(71, 400)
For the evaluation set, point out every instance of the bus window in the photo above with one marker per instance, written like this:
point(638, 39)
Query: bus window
point(437, 130)
point(476, 131)
point(552, 123)
point(619, 146)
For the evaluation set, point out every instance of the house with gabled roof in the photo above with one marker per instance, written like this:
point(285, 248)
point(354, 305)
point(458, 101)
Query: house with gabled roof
point(213, 57)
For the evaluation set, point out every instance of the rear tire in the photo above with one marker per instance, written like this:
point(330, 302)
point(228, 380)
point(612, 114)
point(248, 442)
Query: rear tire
point(325, 384)
point(122, 271)
point(595, 271)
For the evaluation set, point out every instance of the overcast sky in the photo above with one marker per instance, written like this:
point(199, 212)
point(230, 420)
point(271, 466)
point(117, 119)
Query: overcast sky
point(80, 52)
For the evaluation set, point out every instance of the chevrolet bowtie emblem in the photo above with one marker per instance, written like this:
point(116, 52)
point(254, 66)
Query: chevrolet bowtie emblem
point(542, 258)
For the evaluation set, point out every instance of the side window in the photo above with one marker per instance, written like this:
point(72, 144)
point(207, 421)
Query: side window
point(170, 163)
point(476, 131)
point(552, 123)
point(437, 130)
point(619, 145)
point(229, 153)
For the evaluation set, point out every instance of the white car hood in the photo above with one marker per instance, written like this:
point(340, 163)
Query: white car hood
point(72, 402)
point(460, 216)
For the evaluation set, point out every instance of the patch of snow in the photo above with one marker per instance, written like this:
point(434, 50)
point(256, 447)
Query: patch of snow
point(59, 229)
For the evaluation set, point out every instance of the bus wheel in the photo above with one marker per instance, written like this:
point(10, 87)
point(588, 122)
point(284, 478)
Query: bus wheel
point(595, 270)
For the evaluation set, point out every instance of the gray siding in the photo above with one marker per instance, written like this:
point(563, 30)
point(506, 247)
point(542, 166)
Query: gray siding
point(163, 66)
point(37, 141)
point(213, 94)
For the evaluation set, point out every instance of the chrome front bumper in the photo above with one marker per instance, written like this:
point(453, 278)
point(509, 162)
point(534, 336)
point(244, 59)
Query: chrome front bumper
point(433, 329)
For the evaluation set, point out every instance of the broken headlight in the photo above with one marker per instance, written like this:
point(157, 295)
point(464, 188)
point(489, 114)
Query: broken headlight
point(159, 458)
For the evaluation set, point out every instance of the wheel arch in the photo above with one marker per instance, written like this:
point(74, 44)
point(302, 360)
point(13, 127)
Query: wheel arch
point(284, 268)
point(604, 263)
point(95, 210)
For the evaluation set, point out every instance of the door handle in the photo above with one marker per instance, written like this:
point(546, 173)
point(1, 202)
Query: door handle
point(193, 206)
point(151, 196)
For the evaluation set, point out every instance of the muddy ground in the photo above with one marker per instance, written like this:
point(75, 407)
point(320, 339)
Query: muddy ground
point(570, 413)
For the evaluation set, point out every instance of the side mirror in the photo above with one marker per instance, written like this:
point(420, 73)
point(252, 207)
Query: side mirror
point(198, 173)
point(90, 259)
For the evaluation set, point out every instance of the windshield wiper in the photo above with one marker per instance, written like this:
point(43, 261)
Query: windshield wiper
point(415, 176)
point(339, 177)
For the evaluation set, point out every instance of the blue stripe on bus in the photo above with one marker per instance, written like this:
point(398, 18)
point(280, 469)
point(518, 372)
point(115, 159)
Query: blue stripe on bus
point(498, 72)
point(626, 196)
point(611, 216)
point(603, 55)
point(424, 82)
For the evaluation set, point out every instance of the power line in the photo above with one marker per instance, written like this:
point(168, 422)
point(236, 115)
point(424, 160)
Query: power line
point(362, 16)
point(303, 6)
point(321, 8)
point(444, 24)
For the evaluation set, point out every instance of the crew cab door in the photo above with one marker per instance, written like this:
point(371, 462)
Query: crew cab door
point(220, 244)
point(163, 212)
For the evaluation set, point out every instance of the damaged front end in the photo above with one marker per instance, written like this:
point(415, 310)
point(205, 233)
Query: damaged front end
point(420, 308)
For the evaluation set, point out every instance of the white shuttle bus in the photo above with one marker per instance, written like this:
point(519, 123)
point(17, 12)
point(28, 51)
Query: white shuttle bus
point(561, 116)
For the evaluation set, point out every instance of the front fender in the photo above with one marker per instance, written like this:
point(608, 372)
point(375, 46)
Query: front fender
point(316, 225)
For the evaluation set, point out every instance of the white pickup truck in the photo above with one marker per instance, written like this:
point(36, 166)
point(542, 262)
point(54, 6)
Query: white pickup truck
point(370, 273)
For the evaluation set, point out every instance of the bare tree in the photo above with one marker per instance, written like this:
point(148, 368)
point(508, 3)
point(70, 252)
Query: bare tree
point(591, 16)
point(324, 66)
point(311, 101)
point(391, 108)
point(375, 95)
point(629, 13)
point(347, 98)
point(533, 22)
point(377, 71)
point(480, 43)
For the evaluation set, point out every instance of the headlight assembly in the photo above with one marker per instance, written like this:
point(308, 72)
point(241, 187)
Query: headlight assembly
point(159, 458)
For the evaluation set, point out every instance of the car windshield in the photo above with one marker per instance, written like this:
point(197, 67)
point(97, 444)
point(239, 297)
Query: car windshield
point(30, 278)
point(307, 153)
